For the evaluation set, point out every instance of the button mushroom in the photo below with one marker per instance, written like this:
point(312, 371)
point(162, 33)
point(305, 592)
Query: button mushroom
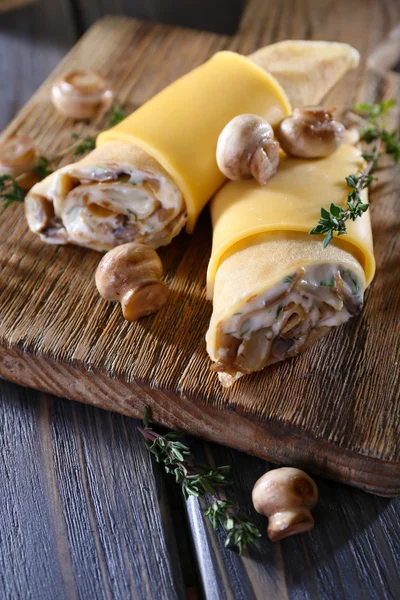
point(285, 496)
point(17, 155)
point(246, 148)
point(310, 133)
point(130, 274)
point(80, 94)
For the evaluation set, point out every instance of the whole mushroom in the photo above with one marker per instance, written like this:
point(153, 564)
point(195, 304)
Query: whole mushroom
point(130, 274)
point(17, 155)
point(310, 133)
point(285, 496)
point(246, 148)
point(80, 94)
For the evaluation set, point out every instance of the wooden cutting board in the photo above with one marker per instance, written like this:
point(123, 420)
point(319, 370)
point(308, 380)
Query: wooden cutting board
point(334, 410)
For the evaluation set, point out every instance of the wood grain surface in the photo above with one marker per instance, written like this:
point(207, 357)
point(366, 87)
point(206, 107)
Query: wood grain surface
point(84, 512)
point(350, 554)
point(335, 410)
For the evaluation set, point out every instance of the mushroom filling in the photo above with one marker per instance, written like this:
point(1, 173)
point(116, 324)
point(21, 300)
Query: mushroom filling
point(283, 321)
point(104, 209)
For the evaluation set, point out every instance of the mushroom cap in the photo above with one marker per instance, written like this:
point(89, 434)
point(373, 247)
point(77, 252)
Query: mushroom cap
point(17, 155)
point(310, 133)
point(282, 489)
point(130, 274)
point(125, 267)
point(79, 94)
point(246, 148)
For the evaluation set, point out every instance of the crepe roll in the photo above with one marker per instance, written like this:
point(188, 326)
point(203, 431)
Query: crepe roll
point(175, 135)
point(115, 194)
point(180, 126)
point(275, 289)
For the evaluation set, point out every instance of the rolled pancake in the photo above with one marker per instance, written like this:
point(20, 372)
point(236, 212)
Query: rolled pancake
point(307, 70)
point(275, 289)
point(115, 194)
point(177, 133)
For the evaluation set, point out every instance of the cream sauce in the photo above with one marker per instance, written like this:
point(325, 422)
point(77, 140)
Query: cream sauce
point(105, 209)
point(316, 298)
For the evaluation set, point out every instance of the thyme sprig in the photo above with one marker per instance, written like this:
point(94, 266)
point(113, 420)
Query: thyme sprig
point(84, 144)
point(380, 140)
point(10, 190)
point(197, 480)
point(14, 189)
point(116, 115)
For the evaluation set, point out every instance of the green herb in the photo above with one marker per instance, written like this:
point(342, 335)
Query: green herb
point(196, 480)
point(244, 332)
point(116, 115)
point(132, 213)
point(241, 531)
point(4, 179)
point(238, 313)
point(383, 141)
point(330, 283)
point(288, 279)
point(10, 191)
point(85, 144)
point(355, 283)
point(230, 332)
point(43, 167)
point(278, 312)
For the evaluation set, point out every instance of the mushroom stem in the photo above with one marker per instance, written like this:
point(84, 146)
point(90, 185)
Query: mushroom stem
point(289, 522)
point(264, 162)
point(285, 496)
point(144, 300)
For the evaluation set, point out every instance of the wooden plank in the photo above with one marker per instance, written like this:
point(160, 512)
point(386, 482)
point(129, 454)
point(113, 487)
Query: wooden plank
point(32, 42)
point(351, 552)
point(83, 511)
point(333, 410)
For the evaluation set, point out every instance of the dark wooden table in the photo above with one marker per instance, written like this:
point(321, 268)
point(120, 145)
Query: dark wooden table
point(85, 513)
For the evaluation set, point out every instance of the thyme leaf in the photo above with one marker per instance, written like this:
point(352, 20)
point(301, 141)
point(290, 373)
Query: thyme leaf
point(116, 115)
point(383, 142)
point(86, 144)
point(200, 481)
point(10, 188)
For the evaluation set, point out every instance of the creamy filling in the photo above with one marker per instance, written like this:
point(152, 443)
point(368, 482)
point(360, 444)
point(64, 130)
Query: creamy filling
point(284, 320)
point(105, 209)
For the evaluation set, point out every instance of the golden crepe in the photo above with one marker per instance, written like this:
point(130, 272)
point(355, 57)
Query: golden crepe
point(156, 170)
point(275, 289)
